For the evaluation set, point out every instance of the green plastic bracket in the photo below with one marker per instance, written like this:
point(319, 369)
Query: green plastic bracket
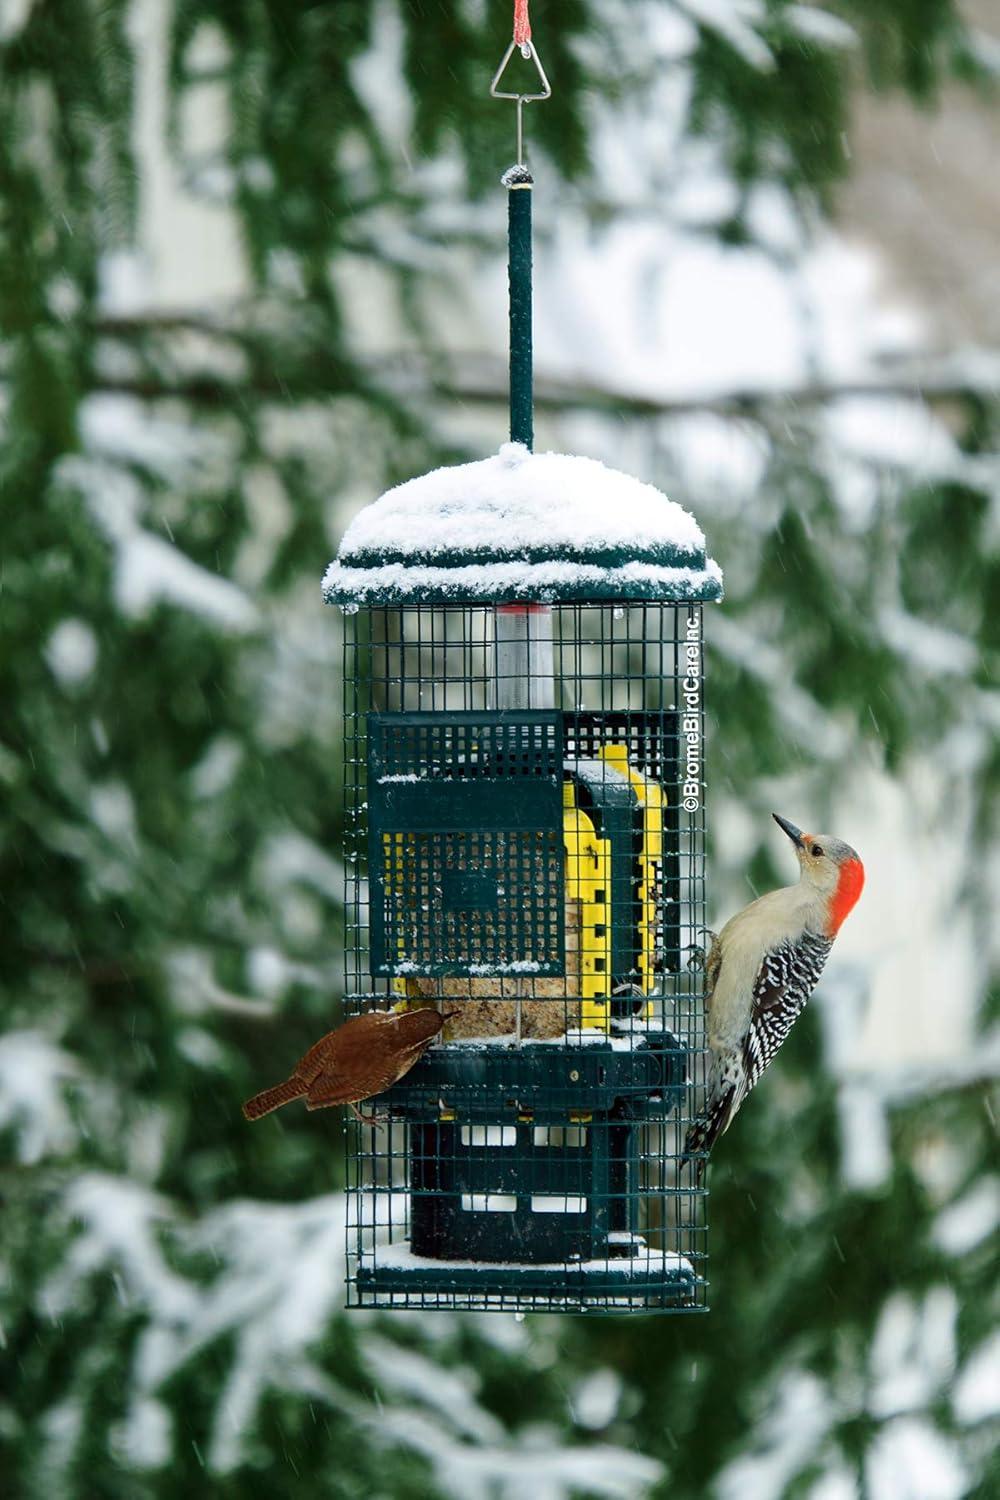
point(560, 1122)
point(465, 852)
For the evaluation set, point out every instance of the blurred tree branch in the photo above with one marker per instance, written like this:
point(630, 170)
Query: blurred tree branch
point(279, 366)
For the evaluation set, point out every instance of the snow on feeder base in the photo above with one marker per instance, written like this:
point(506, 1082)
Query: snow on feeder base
point(526, 843)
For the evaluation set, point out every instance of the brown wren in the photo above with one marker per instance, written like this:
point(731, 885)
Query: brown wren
point(363, 1057)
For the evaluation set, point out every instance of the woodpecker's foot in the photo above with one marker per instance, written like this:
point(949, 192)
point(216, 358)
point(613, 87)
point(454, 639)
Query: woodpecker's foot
point(697, 958)
point(700, 953)
point(377, 1120)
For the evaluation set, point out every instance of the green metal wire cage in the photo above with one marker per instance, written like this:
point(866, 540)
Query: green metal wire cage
point(526, 848)
point(526, 852)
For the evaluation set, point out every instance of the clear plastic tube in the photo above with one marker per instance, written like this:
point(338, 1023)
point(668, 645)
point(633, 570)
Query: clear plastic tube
point(523, 657)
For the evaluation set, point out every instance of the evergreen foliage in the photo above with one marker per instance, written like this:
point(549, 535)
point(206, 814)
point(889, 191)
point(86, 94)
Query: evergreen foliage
point(174, 482)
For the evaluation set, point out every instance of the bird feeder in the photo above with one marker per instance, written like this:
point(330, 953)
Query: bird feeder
point(526, 849)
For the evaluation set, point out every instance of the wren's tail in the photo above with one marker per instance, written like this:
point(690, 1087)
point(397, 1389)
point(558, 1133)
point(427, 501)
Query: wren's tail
point(282, 1093)
point(705, 1131)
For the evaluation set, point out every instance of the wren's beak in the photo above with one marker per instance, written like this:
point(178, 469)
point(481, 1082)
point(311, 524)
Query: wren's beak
point(795, 834)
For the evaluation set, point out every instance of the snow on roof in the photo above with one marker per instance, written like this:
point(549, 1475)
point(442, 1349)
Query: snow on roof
point(518, 504)
point(522, 526)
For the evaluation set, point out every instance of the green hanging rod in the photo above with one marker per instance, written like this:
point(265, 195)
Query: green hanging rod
point(519, 182)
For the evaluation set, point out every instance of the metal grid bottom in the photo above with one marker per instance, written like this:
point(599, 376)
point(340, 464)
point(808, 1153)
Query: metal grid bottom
point(533, 1175)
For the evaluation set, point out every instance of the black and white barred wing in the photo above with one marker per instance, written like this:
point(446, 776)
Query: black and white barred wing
point(786, 979)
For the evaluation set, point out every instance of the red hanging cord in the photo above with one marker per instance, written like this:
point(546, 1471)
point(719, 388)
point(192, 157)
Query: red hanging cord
point(522, 25)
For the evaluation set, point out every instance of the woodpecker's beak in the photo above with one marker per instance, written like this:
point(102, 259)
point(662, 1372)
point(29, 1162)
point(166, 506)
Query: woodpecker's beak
point(795, 834)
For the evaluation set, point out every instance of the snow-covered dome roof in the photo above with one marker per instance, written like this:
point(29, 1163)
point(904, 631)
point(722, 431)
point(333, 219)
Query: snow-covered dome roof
point(545, 527)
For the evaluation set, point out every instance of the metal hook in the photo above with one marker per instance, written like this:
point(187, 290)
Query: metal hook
point(529, 52)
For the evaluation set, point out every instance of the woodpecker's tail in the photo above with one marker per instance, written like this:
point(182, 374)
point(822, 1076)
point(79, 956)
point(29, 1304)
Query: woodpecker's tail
point(705, 1131)
point(283, 1093)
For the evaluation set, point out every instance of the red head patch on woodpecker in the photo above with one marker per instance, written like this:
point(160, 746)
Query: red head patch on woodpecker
point(831, 867)
point(849, 888)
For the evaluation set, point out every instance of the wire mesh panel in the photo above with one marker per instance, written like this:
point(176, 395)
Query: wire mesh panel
point(526, 853)
point(465, 843)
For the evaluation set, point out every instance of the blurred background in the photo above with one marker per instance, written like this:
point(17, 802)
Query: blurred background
point(252, 272)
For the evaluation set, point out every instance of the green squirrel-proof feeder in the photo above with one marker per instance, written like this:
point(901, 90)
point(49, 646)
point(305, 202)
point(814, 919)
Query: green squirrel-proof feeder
point(526, 849)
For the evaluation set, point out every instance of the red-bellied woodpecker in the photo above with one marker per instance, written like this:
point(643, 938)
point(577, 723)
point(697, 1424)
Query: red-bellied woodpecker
point(761, 970)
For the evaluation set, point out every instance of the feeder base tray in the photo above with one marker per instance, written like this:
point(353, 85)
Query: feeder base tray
point(653, 1279)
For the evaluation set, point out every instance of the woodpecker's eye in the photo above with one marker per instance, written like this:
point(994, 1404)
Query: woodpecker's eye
point(815, 851)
